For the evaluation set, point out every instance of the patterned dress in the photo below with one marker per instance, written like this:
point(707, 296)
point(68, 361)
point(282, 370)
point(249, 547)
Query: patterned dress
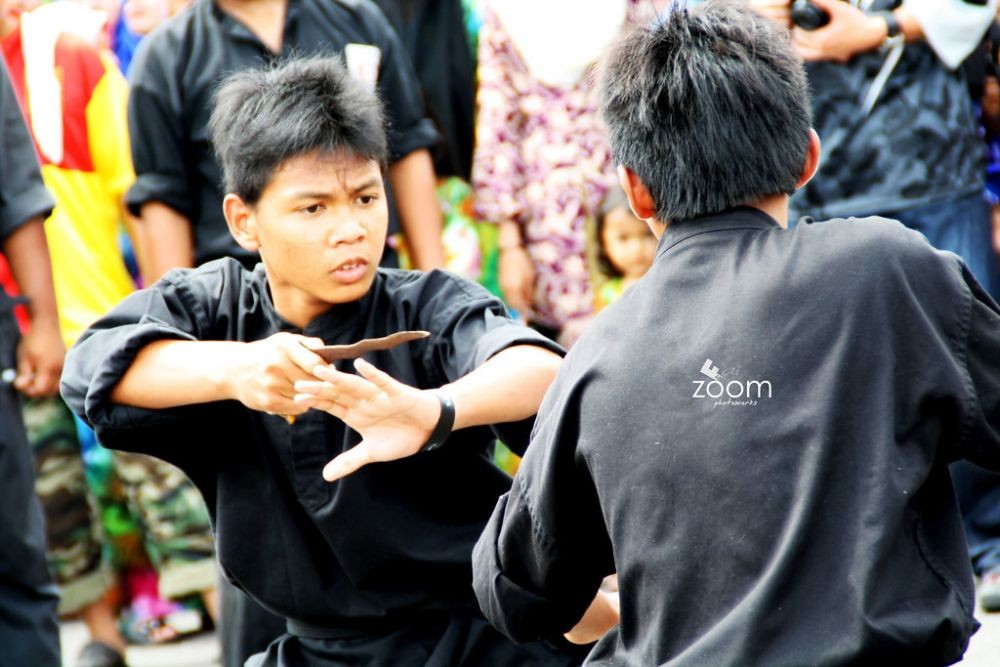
point(542, 160)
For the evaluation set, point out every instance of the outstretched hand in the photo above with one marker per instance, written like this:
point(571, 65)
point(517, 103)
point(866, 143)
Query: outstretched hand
point(394, 419)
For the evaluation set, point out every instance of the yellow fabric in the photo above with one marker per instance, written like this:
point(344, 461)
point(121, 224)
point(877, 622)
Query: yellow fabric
point(83, 231)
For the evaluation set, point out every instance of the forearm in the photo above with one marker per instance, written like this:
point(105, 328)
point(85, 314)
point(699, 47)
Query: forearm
point(413, 183)
point(508, 387)
point(28, 252)
point(170, 373)
point(165, 241)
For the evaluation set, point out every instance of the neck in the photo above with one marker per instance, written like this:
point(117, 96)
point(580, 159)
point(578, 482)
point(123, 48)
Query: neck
point(775, 206)
point(264, 18)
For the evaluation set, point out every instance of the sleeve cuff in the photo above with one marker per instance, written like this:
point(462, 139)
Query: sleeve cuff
point(506, 334)
point(26, 206)
point(99, 409)
point(403, 142)
point(519, 613)
point(161, 188)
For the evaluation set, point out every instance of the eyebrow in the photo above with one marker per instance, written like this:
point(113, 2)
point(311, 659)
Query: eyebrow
point(370, 183)
point(310, 194)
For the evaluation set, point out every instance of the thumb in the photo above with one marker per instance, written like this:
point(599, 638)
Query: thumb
point(350, 461)
point(26, 368)
point(311, 343)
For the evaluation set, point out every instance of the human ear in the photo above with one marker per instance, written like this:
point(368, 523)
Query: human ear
point(811, 163)
point(639, 199)
point(241, 222)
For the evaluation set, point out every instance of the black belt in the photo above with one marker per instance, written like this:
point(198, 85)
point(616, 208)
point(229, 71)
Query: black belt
point(363, 627)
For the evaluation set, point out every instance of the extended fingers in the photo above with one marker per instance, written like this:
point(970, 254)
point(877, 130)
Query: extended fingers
point(359, 388)
point(380, 379)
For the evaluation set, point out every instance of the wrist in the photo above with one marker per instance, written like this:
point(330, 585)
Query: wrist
point(230, 375)
point(509, 237)
point(876, 32)
point(892, 29)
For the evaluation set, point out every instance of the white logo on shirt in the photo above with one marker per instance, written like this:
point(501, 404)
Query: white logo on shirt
point(731, 391)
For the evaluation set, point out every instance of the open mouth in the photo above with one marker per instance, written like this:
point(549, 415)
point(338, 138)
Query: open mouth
point(350, 271)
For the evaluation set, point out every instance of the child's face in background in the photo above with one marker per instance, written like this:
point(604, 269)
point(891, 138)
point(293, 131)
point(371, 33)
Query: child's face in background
point(628, 243)
point(141, 16)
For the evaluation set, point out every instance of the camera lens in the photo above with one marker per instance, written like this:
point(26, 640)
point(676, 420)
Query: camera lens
point(808, 16)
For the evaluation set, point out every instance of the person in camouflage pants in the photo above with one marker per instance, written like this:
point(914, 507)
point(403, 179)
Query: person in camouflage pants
point(170, 511)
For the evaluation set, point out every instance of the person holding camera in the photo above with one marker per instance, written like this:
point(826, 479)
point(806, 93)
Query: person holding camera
point(900, 140)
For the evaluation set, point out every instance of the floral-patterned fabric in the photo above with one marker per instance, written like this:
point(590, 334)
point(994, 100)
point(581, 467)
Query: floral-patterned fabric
point(542, 160)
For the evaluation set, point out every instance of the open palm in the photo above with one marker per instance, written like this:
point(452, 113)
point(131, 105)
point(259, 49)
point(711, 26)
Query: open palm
point(394, 419)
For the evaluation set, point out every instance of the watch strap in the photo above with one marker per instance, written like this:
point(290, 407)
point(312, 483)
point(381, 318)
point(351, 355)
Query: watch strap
point(444, 425)
point(891, 23)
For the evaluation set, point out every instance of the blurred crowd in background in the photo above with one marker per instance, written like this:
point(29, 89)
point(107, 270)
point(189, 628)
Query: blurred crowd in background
point(500, 171)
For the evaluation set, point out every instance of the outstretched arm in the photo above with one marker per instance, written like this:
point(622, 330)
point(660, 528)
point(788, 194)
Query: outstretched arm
point(261, 374)
point(395, 420)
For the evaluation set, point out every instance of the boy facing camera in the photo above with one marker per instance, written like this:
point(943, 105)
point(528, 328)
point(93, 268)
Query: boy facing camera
point(756, 435)
point(217, 370)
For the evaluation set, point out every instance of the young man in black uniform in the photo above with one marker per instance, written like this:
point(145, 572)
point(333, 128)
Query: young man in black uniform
point(756, 436)
point(213, 369)
point(177, 192)
point(29, 634)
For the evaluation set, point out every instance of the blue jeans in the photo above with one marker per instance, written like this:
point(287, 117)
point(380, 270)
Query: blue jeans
point(962, 226)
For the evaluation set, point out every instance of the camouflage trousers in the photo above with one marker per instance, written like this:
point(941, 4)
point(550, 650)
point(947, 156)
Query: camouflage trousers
point(168, 508)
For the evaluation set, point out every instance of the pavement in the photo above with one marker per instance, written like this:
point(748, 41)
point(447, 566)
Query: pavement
point(203, 650)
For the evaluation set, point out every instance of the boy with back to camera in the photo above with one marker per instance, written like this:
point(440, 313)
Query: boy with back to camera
point(756, 435)
point(216, 370)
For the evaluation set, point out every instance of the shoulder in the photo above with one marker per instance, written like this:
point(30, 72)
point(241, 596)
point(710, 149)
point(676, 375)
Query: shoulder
point(169, 43)
point(871, 242)
point(211, 283)
point(881, 254)
point(434, 288)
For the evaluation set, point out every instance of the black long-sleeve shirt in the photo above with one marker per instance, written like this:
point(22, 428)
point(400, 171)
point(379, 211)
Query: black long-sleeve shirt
point(387, 543)
point(756, 436)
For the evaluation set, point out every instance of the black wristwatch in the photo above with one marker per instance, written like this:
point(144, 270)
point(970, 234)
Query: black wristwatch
point(893, 30)
point(445, 423)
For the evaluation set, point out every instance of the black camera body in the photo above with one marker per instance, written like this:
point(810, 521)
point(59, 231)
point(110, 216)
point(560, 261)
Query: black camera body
point(808, 16)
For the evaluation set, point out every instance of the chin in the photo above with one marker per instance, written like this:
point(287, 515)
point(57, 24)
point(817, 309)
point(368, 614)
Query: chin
point(354, 292)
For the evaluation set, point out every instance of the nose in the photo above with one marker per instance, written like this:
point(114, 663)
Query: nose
point(346, 230)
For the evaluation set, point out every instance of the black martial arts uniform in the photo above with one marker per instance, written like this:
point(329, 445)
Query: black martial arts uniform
point(756, 436)
point(377, 564)
point(29, 634)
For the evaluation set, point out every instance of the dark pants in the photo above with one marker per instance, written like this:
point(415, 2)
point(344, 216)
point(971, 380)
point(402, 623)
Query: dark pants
point(963, 226)
point(29, 632)
point(247, 628)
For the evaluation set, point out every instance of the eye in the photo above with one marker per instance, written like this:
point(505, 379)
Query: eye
point(311, 209)
point(366, 200)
